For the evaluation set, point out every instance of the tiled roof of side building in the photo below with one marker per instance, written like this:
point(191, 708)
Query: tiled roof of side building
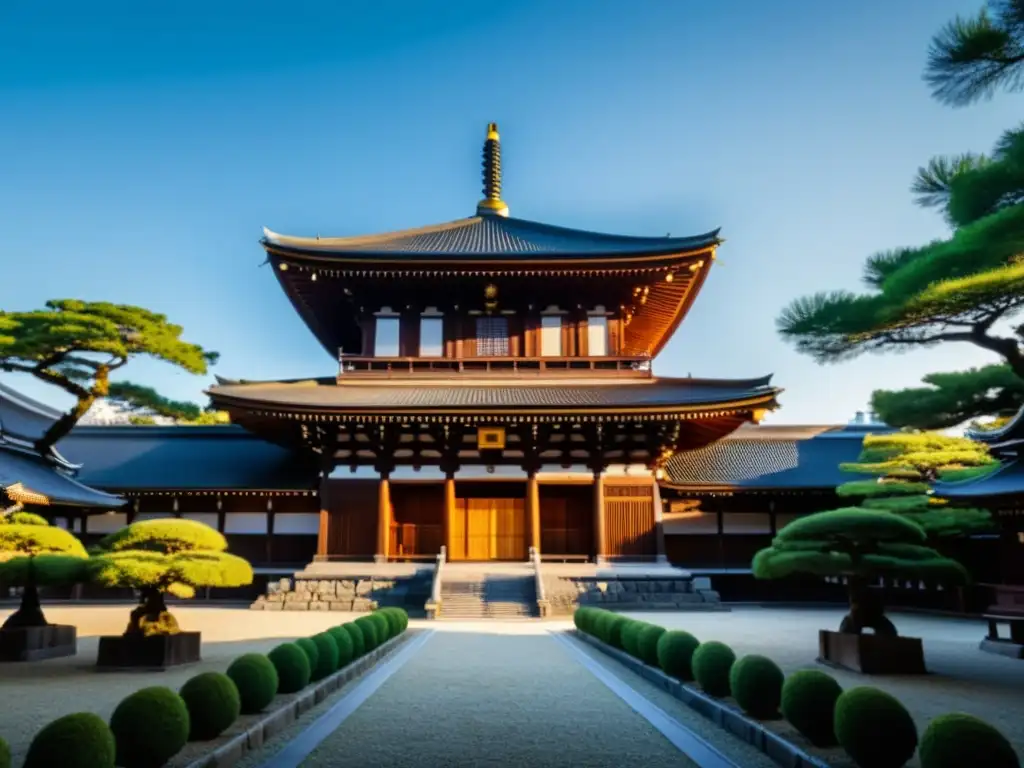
point(22, 472)
point(1007, 438)
point(365, 394)
point(771, 458)
point(22, 417)
point(489, 236)
point(127, 458)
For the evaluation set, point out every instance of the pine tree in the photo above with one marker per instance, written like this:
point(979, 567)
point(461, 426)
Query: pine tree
point(161, 557)
point(35, 554)
point(76, 346)
point(890, 531)
point(971, 58)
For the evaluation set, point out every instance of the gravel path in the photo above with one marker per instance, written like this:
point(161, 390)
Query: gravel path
point(474, 699)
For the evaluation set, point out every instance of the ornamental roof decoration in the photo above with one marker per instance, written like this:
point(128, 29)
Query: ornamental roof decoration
point(491, 234)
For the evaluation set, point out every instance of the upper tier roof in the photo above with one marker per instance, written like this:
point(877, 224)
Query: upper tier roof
point(486, 237)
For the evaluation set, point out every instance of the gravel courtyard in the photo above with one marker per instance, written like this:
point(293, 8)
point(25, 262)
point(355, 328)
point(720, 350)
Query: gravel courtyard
point(509, 684)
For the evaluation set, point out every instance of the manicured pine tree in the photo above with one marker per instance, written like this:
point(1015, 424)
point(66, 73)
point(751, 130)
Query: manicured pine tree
point(165, 557)
point(35, 554)
point(889, 532)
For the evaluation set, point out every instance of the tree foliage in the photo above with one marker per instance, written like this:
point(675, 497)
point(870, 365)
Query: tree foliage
point(951, 399)
point(952, 290)
point(970, 58)
point(76, 346)
point(145, 404)
point(168, 555)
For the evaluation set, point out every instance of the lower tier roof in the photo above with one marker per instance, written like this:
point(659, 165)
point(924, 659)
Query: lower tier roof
point(367, 395)
point(1007, 480)
point(165, 459)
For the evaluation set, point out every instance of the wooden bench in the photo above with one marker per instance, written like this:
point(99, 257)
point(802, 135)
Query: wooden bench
point(1014, 619)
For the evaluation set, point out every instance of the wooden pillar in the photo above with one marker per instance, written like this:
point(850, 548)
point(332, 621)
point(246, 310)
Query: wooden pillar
point(533, 505)
point(324, 529)
point(659, 522)
point(383, 518)
point(600, 547)
point(449, 512)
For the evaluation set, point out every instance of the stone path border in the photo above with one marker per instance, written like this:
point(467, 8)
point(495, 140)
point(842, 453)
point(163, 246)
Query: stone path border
point(299, 748)
point(277, 720)
point(682, 738)
point(752, 732)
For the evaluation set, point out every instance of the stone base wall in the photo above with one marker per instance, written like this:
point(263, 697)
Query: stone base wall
point(349, 594)
point(564, 595)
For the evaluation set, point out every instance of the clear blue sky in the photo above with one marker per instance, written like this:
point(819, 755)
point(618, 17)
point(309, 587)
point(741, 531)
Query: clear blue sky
point(143, 147)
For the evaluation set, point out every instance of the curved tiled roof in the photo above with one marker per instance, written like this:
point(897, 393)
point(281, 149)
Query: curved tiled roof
point(27, 472)
point(363, 395)
point(482, 236)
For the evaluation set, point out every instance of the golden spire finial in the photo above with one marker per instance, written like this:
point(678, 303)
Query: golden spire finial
point(492, 204)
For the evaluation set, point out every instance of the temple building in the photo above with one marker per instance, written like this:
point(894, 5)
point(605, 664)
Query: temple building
point(492, 396)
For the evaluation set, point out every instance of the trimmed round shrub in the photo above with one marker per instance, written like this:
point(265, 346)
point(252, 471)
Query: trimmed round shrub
point(383, 627)
point(256, 680)
point(403, 616)
point(292, 665)
point(309, 648)
point(712, 663)
point(343, 640)
point(647, 643)
point(371, 638)
point(630, 635)
point(394, 619)
point(327, 656)
point(613, 629)
point(756, 684)
point(213, 705)
point(579, 618)
point(150, 727)
point(874, 728)
point(809, 704)
point(675, 654)
point(358, 640)
point(81, 740)
point(601, 621)
point(957, 739)
point(5, 752)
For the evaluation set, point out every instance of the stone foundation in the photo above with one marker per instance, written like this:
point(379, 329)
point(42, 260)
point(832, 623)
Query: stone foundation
point(631, 593)
point(352, 593)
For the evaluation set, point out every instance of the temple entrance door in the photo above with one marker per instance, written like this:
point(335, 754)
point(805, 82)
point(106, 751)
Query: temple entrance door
point(488, 529)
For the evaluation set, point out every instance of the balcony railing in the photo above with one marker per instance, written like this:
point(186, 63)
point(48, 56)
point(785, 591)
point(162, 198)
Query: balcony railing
point(404, 367)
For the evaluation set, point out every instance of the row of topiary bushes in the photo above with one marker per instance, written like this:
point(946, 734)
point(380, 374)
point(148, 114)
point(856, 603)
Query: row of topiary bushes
point(872, 726)
point(153, 724)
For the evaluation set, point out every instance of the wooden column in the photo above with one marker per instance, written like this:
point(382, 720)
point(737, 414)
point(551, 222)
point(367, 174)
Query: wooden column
point(659, 522)
point(449, 512)
point(533, 505)
point(600, 546)
point(323, 530)
point(383, 518)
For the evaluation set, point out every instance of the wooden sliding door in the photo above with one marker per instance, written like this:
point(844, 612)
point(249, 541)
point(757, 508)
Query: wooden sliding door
point(488, 529)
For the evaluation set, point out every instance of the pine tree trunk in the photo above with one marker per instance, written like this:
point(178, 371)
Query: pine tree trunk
point(152, 616)
point(866, 610)
point(30, 612)
point(63, 426)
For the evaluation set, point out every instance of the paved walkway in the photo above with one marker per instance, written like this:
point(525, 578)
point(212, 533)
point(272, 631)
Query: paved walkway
point(478, 698)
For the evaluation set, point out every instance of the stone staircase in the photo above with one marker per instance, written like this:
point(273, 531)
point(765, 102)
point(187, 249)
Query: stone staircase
point(488, 596)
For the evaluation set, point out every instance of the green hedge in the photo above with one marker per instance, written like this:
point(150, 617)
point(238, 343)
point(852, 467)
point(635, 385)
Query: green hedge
point(256, 679)
point(809, 703)
point(874, 728)
point(964, 740)
point(292, 665)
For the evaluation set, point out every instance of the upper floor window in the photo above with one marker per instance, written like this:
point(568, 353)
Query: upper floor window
point(551, 336)
point(491, 336)
point(431, 336)
point(597, 335)
point(386, 338)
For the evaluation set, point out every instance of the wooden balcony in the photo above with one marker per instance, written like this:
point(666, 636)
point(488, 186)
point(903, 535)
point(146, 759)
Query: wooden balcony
point(498, 367)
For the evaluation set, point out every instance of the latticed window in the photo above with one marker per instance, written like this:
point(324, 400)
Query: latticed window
point(492, 337)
